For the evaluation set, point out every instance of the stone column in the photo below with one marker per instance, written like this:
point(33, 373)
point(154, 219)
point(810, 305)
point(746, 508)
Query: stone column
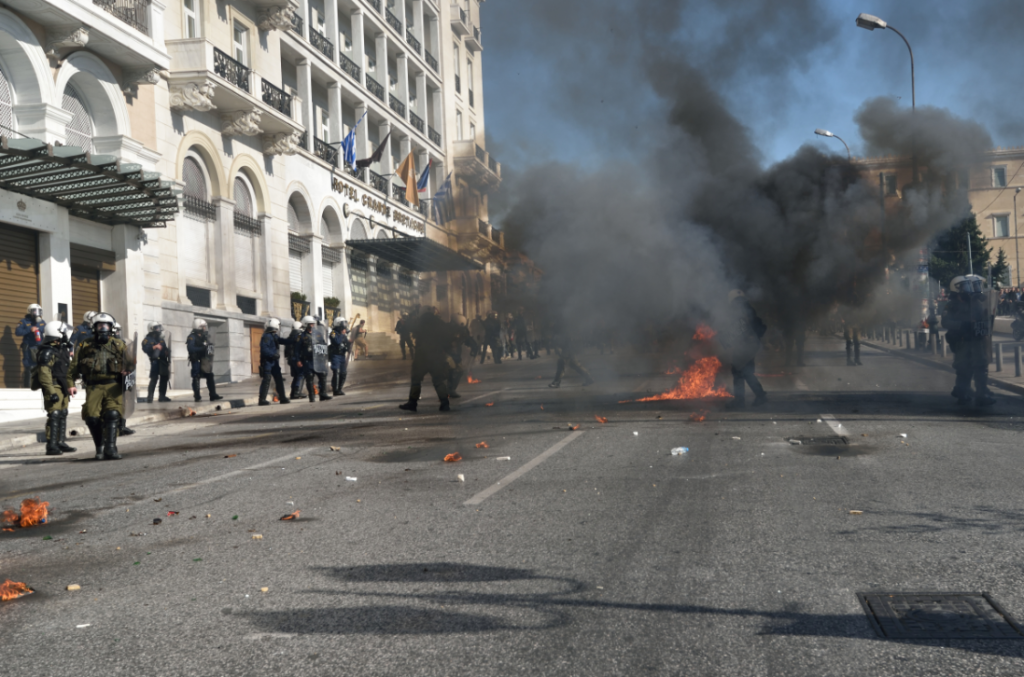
point(304, 13)
point(417, 19)
point(359, 44)
point(421, 97)
point(387, 165)
point(266, 265)
point(403, 79)
point(126, 293)
point(55, 270)
point(381, 75)
point(362, 132)
point(334, 113)
point(331, 26)
point(305, 81)
point(224, 256)
point(312, 271)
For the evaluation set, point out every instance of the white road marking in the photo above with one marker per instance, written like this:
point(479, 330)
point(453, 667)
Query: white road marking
point(235, 473)
point(837, 427)
point(480, 397)
point(513, 476)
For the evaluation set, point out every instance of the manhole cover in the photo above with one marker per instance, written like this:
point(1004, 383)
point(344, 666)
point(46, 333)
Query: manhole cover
point(929, 615)
point(833, 441)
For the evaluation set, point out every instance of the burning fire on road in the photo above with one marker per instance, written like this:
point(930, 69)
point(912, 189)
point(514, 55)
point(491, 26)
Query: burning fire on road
point(696, 382)
point(471, 380)
point(13, 590)
point(33, 513)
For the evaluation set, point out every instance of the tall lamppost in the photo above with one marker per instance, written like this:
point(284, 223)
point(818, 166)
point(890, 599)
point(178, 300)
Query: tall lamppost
point(825, 132)
point(871, 22)
point(1016, 241)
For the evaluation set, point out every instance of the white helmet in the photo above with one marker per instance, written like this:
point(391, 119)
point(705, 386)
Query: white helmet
point(273, 324)
point(460, 320)
point(53, 330)
point(967, 284)
point(68, 330)
point(199, 323)
point(296, 325)
point(307, 320)
point(117, 326)
point(340, 322)
point(89, 316)
point(149, 326)
point(736, 294)
point(35, 310)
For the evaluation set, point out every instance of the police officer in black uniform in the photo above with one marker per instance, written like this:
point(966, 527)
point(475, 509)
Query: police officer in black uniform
point(969, 324)
point(460, 338)
point(270, 362)
point(307, 356)
point(291, 353)
point(740, 340)
point(339, 348)
point(155, 345)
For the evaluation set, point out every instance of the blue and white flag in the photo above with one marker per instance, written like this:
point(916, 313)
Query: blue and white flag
point(348, 146)
point(444, 202)
point(421, 185)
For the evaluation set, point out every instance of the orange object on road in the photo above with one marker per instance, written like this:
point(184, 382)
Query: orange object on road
point(453, 458)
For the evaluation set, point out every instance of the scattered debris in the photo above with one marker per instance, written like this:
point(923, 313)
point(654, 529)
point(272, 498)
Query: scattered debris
point(47, 538)
point(903, 435)
point(335, 448)
point(503, 458)
point(298, 458)
point(635, 433)
point(259, 537)
point(157, 500)
point(198, 559)
point(489, 404)
point(600, 419)
point(264, 589)
point(679, 451)
point(482, 445)
point(798, 443)
point(819, 420)
point(235, 517)
point(33, 513)
point(291, 516)
point(208, 515)
point(542, 407)
point(462, 478)
point(856, 512)
point(697, 417)
point(470, 380)
point(231, 455)
point(13, 590)
point(454, 458)
point(157, 520)
point(172, 513)
point(83, 625)
point(73, 587)
point(351, 479)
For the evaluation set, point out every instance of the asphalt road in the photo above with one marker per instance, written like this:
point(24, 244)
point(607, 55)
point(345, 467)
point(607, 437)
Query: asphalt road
point(589, 552)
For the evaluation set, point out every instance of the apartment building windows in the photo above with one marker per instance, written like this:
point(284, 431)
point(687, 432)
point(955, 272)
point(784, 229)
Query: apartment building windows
point(458, 125)
point(999, 177)
point(324, 123)
point(458, 70)
point(889, 182)
point(472, 132)
point(241, 43)
point(1001, 225)
point(192, 18)
point(469, 81)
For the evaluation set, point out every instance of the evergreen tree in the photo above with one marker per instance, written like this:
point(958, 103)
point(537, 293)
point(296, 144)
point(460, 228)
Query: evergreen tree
point(949, 257)
point(1001, 271)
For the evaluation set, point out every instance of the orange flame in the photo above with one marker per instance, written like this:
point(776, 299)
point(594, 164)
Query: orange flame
point(471, 380)
point(489, 404)
point(33, 513)
point(482, 445)
point(574, 427)
point(454, 458)
point(704, 333)
point(697, 382)
point(600, 419)
point(12, 590)
point(698, 417)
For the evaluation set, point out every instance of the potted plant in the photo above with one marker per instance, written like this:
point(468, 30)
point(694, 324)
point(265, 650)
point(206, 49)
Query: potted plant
point(332, 306)
point(300, 306)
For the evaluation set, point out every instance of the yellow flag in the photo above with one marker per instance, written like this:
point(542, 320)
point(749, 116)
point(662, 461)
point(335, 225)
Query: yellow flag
point(407, 173)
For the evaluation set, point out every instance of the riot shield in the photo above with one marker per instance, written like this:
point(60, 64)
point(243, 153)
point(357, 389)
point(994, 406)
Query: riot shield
point(131, 393)
point(165, 355)
point(206, 361)
point(321, 362)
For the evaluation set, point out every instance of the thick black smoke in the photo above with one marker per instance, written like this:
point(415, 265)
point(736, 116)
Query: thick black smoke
point(683, 210)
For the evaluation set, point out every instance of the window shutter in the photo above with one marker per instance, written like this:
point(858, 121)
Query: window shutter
point(79, 131)
point(245, 268)
point(328, 276)
point(295, 270)
point(195, 257)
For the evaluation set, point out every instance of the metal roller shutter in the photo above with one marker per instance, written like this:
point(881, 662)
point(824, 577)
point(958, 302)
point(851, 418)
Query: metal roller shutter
point(295, 270)
point(245, 270)
point(328, 276)
point(194, 253)
point(19, 280)
point(85, 293)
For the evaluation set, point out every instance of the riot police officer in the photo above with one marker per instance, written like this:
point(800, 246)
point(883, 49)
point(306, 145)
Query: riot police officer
point(492, 338)
point(200, 355)
point(102, 362)
point(740, 340)
point(158, 348)
point(565, 348)
point(30, 329)
point(404, 331)
point(84, 330)
point(460, 337)
point(51, 376)
point(338, 352)
point(291, 353)
point(270, 362)
point(969, 324)
point(433, 337)
point(313, 358)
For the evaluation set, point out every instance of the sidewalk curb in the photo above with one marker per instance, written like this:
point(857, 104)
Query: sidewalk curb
point(228, 403)
point(908, 355)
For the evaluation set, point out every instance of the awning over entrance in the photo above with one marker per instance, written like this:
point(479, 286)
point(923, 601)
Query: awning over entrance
point(94, 187)
point(416, 253)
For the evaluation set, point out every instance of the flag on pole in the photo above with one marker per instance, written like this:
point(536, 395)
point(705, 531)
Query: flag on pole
point(444, 203)
point(421, 185)
point(377, 154)
point(407, 173)
point(348, 146)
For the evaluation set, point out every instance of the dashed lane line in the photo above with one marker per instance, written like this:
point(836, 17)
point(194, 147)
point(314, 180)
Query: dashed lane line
point(830, 420)
point(513, 476)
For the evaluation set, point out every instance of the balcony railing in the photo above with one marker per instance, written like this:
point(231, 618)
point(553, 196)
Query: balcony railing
point(231, 70)
point(304, 140)
point(416, 121)
point(377, 181)
point(476, 33)
point(350, 67)
point(277, 98)
point(458, 84)
point(135, 13)
point(297, 22)
point(199, 209)
point(462, 13)
point(393, 20)
point(484, 228)
point(496, 235)
point(398, 193)
point(359, 174)
point(396, 105)
point(434, 135)
point(325, 151)
point(431, 61)
point(481, 154)
point(320, 41)
point(492, 163)
point(413, 42)
point(375, 4)
point(375, 88)
point(247, 224)
point(471, 104)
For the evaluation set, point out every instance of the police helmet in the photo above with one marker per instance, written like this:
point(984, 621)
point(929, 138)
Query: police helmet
point(199, 323)
point(53, 331)
point(273, 324)
point(102, 326)
point(89, 316)
point(296, 325)
point(35, 310)
point(459, 320)
point(340, 323)
point(736, 294)
point(149, 326)
point(967, 284)
point(308, 320)
point(67, 329)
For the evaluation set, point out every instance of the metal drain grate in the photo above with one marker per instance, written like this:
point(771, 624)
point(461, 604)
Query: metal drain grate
point(931, 615)
point(833, 441)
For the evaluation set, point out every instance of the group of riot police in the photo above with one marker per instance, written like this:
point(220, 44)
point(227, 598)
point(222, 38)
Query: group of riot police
point(310, 352)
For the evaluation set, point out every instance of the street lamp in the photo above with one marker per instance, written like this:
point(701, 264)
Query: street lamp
point(825, 132)
point(1016, 242)
point(871, 22)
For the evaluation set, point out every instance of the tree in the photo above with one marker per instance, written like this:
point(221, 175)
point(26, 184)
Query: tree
point(949, 257)
point(1001, 271)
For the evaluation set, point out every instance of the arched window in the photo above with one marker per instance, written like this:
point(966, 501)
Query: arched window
point(243, 198)
point(247, 232)
point(293, 218)
point(195, 179)
point(6, 106)
point(298, 247)
point(193, 231)
point(80, 130)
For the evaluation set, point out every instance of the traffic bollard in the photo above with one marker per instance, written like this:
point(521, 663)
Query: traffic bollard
point(933, 342)
point(899, 338)
point(942, 342)
point(1016, 360)
point(999, 356)
point(908, 345)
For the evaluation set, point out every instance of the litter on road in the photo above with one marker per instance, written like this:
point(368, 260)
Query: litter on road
point(11, 590)
point(157, 520)
point(291, 516)
point(482, 445)
point(856, 512)
point(33, 513)
point(503, 458)
point(679, 451)
point(462, 478)
point(73, 587)
point(600, 419)
point(258, 537)
point(335, 448)
point(351, 479)
point(453, 458)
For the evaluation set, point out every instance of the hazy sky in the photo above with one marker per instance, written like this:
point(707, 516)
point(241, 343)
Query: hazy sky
point(565, 79)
